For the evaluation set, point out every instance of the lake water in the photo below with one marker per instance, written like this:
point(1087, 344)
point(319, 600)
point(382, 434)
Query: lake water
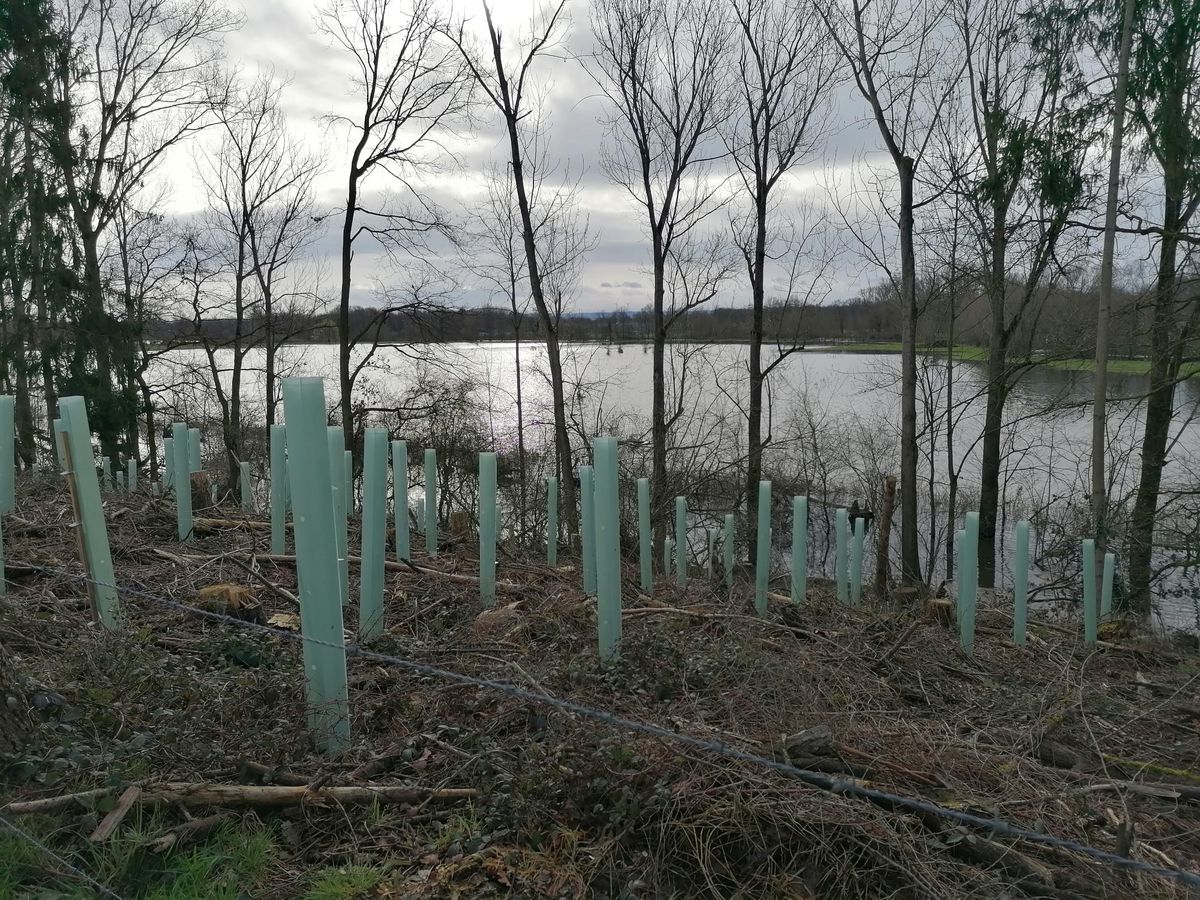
point(840, 407)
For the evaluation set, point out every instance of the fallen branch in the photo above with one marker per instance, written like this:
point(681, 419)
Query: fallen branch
point(54, 804)
point(390, 565)
point(110, 822)
point(900, 641)
point(253, 796)
point(258, 796)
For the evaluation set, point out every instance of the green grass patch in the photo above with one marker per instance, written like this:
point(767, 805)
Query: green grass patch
point(346, 883)
point(966, 352)
point(225, 867)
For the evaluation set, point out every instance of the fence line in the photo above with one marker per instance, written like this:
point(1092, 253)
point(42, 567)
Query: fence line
point(717, 748)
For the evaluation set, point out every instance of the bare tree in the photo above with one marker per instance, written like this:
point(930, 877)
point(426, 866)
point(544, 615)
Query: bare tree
point(786, 70)
point(662, 66)
point(280, 224)
point(412, 87)
point(138, 78)
point(502, 266)
point(1164, 99)
point(509, 92)
point(145, 266)
point(1025, 179)
point(258, 184)
point(1100, 385)
point(895, 50)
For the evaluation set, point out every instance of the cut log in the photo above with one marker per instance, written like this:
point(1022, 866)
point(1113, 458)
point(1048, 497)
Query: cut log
point(110, 822)
point(815, 741)
point(255, 796)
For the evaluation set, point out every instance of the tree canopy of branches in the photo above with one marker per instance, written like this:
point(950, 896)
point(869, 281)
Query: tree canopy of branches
point(412, 89)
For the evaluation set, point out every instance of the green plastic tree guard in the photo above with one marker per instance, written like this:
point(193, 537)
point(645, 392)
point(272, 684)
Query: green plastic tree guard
point(856, 560)
point(106, 606)
point(169, 463)
point(244, 488)
point(727, 548)
point(645, 537)
point(762, 570)
point(681, 542)
point(587, 528)
point(374, 533)
point(335, 440)
point(431, 502)
point(552, 522)
point(419, 515)
point(487, 528)
point(841, 563)
point(278, 489)
point(183, 494)
point(668, 554)
point(1089, 592)
point(107, 482)
point(1106, 584)
point(799, 549)
point(8, 453)
point(120, 481)
point(131, 475)
point(195, 462)
point(1020, 583)
point(969, 576)
point(400, 498)
point(59, 446)
point(710, 551)
point(608, 546)
point(310, 474)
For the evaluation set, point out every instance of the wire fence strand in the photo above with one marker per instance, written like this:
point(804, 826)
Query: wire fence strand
point(104, 890)
point(841, 786)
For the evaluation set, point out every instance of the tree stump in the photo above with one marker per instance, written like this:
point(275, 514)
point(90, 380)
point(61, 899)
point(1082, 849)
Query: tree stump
point(201, 491)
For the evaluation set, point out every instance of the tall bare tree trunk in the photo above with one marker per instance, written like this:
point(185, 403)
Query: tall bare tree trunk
point(660, 491)
point(909, 543)
point(754, 443)
point(997, 396)
point(1100, 383)
point(345, 382)
point(1165, 355)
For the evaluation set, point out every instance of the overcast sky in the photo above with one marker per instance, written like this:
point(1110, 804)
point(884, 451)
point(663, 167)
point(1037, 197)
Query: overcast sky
point(282, 36)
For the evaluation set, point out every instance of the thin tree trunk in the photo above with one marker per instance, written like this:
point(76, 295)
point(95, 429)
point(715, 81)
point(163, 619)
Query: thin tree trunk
point(1160, 407)
point(997, 396)
point(754, 443)
point(345, 382)
point(951, 472)
point(659, 489)
point(909, 538)
point(521, 468)
point(1100, 383)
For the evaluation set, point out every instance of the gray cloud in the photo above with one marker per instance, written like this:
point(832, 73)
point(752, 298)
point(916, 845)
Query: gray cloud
point(282, 35)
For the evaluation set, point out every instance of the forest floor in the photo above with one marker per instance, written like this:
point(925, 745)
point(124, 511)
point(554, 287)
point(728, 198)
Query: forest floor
point(185, 735)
